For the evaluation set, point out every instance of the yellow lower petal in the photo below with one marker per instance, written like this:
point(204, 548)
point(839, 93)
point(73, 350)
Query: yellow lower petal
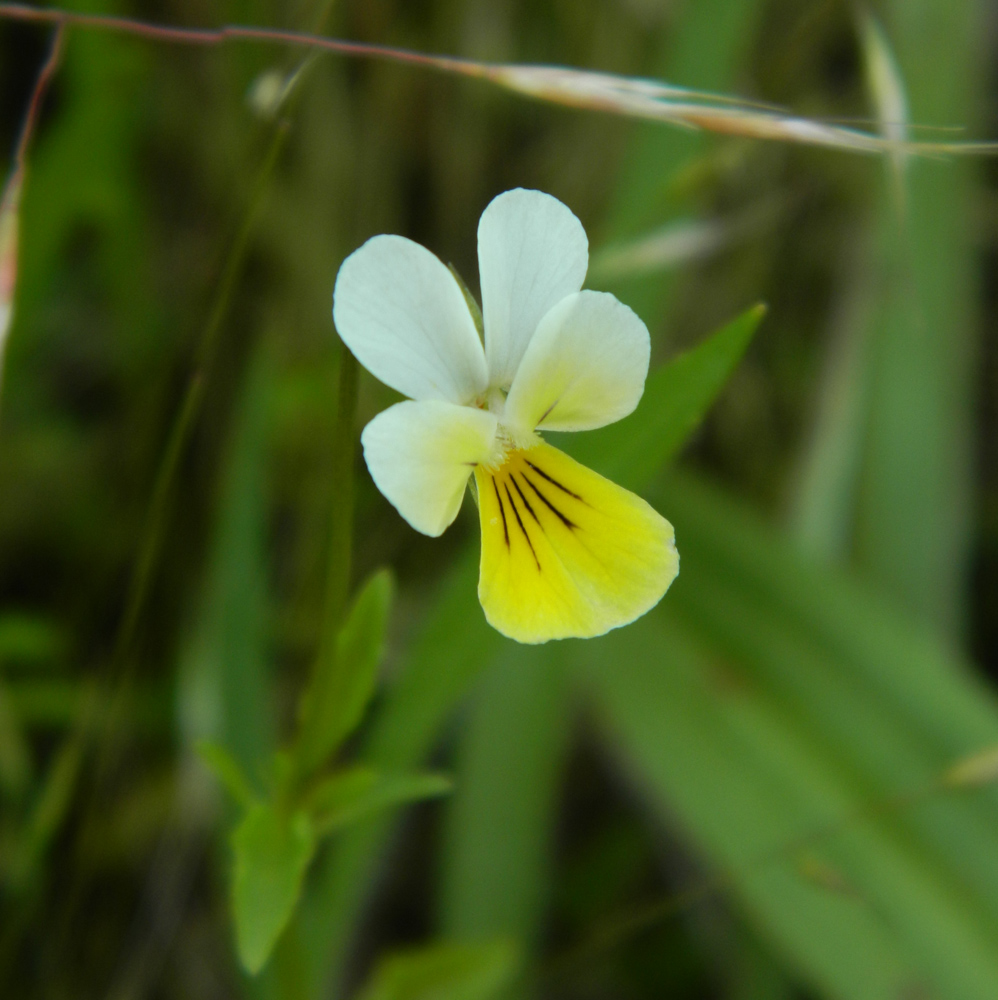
point(565, 552)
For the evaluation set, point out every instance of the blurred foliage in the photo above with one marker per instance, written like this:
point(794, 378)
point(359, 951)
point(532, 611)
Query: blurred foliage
point(750, 793)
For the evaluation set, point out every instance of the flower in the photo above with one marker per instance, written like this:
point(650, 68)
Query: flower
point(565, 552)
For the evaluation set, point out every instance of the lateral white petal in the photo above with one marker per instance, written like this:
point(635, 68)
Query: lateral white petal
point(404, 317)
point(420, 456)
point(585, 367)
point(532, 252)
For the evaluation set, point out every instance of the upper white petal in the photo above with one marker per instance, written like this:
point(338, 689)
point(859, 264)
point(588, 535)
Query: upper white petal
point(585, 367)
point(420, 456)
point(405, 319)
point(532, 252)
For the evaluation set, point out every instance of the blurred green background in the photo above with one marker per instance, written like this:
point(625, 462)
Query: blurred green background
point(747, 794)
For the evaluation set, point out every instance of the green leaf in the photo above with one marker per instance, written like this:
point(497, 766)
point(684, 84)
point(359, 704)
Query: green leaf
point(272, 853)
point(353, 794)
point(345, 683)
point(226, 768)
point(675, 400)
point(444, 972)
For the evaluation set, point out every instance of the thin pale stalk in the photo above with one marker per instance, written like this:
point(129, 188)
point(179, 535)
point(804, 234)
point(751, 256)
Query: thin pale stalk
point(620, 95)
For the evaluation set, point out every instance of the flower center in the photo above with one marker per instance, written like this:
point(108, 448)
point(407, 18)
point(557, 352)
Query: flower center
point(509, 438)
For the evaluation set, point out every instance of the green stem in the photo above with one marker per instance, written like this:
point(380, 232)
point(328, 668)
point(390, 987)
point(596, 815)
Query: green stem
point(313, 740)
point(341, 531)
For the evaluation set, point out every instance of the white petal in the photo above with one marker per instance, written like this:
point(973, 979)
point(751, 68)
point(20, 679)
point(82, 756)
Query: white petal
point(532, 252)
point(420, 456)
point(585, 367)
point(404, 317)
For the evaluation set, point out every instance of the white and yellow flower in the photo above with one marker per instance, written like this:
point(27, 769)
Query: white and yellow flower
point(565, 552)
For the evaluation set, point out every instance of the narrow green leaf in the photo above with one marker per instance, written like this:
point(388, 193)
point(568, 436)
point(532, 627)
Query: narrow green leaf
point(935, 692)
point(510, 761)
point(340, 694)
point(444, 972)
point(356, 792)
point(880, 710)
point(675, 400)
point(915, 510)
point(822, 508)
point(887, 90)
point(272, 853)
point(224, 674)
point(226, 768)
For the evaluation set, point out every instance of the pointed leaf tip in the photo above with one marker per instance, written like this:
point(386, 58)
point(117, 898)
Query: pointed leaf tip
point(272, 854)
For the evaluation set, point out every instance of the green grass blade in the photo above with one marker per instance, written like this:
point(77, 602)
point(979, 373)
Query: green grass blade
point(915, 506)
point(498, 840)
point(822, 509)
point(936, 693)
point(885, 707)
point(224, 691)
point(859, 728)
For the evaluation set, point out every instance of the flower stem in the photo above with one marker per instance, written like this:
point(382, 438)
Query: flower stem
point(341, 531)
point(313, 739)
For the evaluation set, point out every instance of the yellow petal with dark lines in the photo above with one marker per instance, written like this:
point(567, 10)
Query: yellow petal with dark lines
point(565, 552)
